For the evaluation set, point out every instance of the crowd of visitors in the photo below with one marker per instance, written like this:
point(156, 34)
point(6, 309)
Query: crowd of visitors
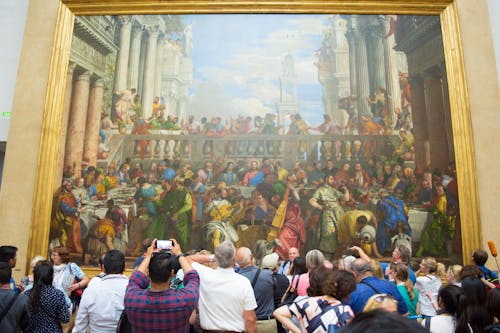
point(225, 291)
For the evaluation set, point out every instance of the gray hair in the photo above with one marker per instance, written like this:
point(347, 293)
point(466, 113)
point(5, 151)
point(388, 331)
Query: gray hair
point(314, 258)
point(360, 266)
point(224, 254)
point(36, 259)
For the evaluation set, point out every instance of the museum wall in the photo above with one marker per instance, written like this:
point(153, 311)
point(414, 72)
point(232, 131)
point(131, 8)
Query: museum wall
point(20, 170)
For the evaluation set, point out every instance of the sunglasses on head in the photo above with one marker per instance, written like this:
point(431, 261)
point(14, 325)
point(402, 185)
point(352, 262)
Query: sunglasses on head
point(382, 297)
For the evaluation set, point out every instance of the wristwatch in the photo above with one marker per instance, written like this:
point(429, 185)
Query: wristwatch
point(180, 255)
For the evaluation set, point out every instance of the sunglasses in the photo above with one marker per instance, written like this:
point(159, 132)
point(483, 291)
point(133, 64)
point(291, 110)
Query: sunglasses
point(382, 297)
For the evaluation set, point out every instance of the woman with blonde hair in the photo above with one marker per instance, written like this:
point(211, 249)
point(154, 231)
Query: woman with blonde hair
point(381, 301)
point(427, 284)
point(441, 273)
point(453, 275)
point(400, 274)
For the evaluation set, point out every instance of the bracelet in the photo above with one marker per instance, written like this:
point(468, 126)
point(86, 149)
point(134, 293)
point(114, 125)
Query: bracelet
point(180, 255)
point(211, 258)
point(79, 285)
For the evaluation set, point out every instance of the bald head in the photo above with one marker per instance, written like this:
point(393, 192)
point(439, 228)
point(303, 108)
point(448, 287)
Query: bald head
point(244, 257)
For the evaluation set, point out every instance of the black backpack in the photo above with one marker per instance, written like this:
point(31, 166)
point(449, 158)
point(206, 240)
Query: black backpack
point(123, 324)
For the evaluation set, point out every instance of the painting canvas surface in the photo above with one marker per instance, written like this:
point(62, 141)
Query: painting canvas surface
point(272, 131)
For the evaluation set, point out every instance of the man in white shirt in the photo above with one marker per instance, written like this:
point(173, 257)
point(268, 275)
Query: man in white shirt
point(102, 302)
point(227, 301)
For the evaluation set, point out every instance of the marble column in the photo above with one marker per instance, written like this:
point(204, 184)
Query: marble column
point(91, 142)
point(362, 77)
point(436, 124)
point(149, 73)
point(77, 122)
point(64, 125)
point(376, 37)
point(352, 62)
point(159, 65)
point(123, 54)
point(135, 54)
point(391, 70)
point(420, 130)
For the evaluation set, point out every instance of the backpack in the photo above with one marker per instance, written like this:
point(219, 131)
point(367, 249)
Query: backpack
point(123, 324)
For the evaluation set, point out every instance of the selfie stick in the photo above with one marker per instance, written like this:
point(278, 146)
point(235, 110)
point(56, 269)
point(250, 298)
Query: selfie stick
point(494, 253)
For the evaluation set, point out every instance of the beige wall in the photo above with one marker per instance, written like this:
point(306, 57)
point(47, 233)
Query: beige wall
point(17, 193)
point(16, 196)
point(484, 94)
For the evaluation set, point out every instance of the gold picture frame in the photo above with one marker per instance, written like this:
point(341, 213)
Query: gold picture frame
point(68, 9)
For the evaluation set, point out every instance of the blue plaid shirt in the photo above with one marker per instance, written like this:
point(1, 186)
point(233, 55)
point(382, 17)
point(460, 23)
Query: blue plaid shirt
point(162, 311)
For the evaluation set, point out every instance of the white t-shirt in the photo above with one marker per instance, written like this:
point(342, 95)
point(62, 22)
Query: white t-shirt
point(441, 324)
point(101, 305)
point(224, 296)
point(426, 283)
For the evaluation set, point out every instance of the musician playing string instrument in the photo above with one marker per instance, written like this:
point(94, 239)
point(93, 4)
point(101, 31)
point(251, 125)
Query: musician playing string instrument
point(327, 199)
point(221, 212)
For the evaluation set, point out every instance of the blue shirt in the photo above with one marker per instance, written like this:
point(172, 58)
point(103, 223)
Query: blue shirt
point(263, 290)
point(358, 298)
point(411, 273)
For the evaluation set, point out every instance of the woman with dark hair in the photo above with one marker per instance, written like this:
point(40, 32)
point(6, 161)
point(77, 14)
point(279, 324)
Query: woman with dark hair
point(448, 301)
point(493, 308)
point(327, 289)
point(472, 313)
point(47, 305)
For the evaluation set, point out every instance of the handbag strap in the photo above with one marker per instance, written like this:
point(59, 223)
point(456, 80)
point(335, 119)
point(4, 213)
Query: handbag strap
point(7, 308)
point(297, 282)
point(255, 278)
point(374, 289)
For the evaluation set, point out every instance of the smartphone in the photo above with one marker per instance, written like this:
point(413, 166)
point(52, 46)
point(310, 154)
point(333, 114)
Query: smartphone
point(164, 244)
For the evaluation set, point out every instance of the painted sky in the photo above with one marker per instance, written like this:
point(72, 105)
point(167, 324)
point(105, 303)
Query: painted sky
point(237, 62)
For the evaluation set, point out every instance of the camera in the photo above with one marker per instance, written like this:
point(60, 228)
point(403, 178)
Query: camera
point(164, 244)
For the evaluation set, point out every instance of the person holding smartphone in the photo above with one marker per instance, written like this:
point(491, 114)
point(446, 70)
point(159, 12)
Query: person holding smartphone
point(161, 308)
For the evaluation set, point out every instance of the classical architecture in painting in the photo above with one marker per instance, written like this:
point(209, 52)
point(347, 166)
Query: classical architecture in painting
point(204, 148)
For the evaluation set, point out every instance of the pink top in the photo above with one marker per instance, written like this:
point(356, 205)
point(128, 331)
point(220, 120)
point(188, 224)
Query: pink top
point(303, 284)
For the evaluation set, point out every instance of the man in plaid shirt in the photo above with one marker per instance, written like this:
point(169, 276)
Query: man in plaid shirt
point(160, 308)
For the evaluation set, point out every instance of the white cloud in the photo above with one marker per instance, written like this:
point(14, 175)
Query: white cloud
point(249, 107)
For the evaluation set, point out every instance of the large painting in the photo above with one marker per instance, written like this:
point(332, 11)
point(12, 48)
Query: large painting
point(271, 130)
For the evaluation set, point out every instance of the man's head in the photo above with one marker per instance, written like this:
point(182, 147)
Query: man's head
point(224, 254)
point(67, 184)
point(161, 267)
point(479, 257)
point(401, 253)
point(329, 180)
point(270, 261)
point(361, 269)
point(114, 262)
point(293, 253)
point(8, 254)
point(5, 273)
point(244, 257)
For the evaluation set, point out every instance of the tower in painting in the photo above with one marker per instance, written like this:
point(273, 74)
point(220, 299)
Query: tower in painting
point(287, 104)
